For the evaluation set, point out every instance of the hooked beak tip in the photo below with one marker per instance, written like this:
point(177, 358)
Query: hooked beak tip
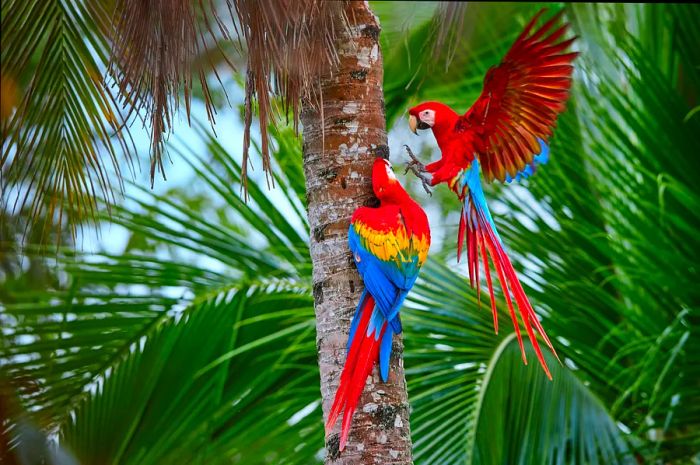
point(413, 124)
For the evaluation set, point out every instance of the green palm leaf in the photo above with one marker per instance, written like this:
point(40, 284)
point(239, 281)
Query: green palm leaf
point(67, 131)
point(474, 401)
point(201, 411)
point(68, 337)
point(541, 421)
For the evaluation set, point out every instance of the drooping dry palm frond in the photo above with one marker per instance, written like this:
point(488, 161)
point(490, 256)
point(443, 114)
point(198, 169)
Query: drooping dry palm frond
point(57, 111)
point(289, 43)
point(155, 46)
point(447, 30)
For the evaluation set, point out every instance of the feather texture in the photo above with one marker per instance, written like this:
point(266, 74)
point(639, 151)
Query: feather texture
point(540, 159)
point(389, 245)
point(521, 100)
point(363, 350)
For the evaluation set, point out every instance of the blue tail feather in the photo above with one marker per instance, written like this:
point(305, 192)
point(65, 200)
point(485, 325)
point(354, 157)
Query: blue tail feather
point(385, 353)
point(539, 159)
point(356, 318)
point(472, 180)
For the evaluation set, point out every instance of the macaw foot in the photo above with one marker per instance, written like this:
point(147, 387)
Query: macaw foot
point(415, 162)
point(418, 168)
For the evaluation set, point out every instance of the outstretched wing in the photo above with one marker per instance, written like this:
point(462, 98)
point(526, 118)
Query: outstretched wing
point(520, 102)
point(387, 255)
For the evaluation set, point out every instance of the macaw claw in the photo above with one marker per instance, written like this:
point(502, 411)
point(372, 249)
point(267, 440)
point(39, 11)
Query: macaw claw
point(418, 168)
point(414, 161)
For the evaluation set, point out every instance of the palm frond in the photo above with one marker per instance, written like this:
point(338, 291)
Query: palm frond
point(155, 47)
point(476, 402)
point(289, 49)
point(189, 401)
point(286, 51)
point(539, 420)
point(67, 130)
point(54, 138)
point(206, 389)
point(71, 336)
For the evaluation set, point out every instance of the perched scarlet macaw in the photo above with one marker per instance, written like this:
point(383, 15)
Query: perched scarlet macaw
point(504, 135)
point(389, 244)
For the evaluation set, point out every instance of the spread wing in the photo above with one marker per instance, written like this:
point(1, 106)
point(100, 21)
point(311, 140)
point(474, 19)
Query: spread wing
point(387, 255)
point(521, 99)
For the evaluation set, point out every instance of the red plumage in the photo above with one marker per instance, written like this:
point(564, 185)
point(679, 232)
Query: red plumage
point(389, 245)
point(504, 134)
point(520, 102)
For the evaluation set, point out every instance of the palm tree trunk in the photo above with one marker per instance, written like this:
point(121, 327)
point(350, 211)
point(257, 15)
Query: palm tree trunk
point(340, 143)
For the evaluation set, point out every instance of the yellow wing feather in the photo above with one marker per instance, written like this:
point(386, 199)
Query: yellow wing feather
point(393, 245)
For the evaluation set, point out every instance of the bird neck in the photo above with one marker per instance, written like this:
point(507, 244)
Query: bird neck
point(396, 196)
point(444, 128)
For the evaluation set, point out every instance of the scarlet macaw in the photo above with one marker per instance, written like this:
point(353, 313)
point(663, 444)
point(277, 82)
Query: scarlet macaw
point(504, 135)
point(389, 245)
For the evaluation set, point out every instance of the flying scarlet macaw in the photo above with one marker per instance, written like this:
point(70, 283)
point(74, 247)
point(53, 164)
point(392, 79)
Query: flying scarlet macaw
point(504, 136)
point(389, 244)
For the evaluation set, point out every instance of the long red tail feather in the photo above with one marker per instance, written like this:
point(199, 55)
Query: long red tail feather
point(483, 240)
point(363, 353)
point(487, 272)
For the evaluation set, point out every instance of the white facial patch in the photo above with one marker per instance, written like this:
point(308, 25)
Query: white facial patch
point(389, 172)
point(428, 117)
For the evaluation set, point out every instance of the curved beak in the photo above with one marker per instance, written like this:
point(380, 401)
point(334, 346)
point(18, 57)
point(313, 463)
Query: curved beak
point(413, 124)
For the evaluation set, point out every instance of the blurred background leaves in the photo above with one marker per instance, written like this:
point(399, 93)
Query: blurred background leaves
point(195, 344)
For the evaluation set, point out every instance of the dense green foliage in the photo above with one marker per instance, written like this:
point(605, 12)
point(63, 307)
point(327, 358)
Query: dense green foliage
point(196, 344)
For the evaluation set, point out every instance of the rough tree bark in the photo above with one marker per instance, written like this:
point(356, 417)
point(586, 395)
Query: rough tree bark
point(337, 165)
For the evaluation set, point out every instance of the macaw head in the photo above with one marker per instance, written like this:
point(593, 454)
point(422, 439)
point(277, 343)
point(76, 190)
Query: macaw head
point(386, 186)
point(431, 115)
